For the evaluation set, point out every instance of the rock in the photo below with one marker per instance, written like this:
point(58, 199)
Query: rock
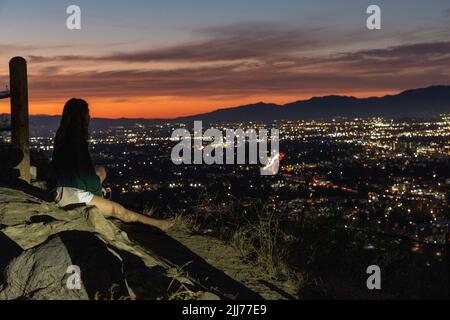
point(42, 272)
point(207, 296)
point(40, 242)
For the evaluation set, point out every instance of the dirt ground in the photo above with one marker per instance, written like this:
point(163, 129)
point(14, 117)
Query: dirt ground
point(217, 266)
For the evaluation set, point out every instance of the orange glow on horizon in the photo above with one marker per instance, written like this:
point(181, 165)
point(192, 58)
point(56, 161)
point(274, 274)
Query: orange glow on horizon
point(165, 107)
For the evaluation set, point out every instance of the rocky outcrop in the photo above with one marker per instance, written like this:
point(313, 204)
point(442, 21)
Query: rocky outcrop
point(50, 253)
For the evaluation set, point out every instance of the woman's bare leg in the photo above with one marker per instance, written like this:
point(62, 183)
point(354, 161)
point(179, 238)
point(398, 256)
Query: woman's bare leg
point(111, 209)
point(101, 173)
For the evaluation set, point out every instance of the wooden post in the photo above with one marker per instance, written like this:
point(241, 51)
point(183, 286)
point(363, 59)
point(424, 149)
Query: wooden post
point(19, 113)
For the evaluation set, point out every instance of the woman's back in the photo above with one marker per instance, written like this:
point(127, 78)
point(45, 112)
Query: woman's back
point(71, 160)
point(73, 168)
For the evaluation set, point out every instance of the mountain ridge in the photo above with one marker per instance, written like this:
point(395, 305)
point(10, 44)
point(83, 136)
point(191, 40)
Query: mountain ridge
point(423, 102)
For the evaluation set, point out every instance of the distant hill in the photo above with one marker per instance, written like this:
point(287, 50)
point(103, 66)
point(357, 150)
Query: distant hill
point(424, 102)
point(38, 122)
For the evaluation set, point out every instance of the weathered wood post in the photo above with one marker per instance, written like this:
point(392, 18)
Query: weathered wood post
point(19, 113)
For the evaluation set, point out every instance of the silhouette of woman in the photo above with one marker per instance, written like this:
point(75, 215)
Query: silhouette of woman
point(77, 180)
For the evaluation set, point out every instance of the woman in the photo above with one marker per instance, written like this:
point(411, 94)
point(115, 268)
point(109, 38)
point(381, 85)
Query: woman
point(77, 181)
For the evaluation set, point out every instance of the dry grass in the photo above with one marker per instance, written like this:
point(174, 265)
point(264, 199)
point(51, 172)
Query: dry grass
point(183, 292)
point(188, 223)
point(254, 229)
point(113, 294)
point(149, 211)
point(261, 241)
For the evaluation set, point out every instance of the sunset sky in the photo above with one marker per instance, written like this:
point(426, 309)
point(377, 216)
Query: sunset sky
point(179, 57)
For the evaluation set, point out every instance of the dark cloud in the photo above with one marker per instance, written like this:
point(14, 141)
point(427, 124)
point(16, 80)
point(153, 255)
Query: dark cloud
point(264, 80)
point(7, 49)
point(254, 45)
point(400, 58)
point(251, 59)
point(411, 50)
point(238, 42)
point(226, 45)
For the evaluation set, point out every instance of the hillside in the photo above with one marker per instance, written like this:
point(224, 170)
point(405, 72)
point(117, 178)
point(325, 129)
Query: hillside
point(40, 241)
point(425, 102)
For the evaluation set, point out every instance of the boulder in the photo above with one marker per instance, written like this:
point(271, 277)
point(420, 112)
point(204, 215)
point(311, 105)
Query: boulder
point(46, 271)
point(46, 249)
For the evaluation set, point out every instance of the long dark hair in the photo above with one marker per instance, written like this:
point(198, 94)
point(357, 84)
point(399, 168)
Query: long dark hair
point(74, 128)
point(71, 142)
